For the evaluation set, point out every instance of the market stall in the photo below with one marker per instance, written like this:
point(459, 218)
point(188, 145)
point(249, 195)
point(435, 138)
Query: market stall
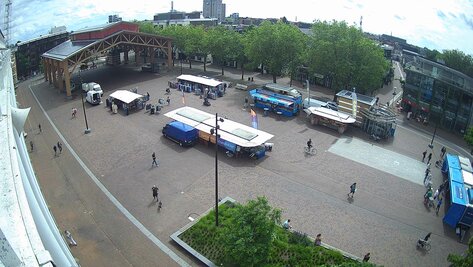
point(127, 100)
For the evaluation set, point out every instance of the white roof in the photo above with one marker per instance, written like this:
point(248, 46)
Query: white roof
point(331, 114)
point(201, 80)
point(234, 132)
point(467, 177)
point(465, 164)
point(125, 96)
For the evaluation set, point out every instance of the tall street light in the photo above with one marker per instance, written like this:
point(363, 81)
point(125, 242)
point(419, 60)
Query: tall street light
point(87, 129)
point(431, 145)
point(433, 137)
point(212, 131)
point(394, 94)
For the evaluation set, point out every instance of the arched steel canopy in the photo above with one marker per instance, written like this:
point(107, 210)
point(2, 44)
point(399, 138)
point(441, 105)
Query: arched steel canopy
point(89, 43)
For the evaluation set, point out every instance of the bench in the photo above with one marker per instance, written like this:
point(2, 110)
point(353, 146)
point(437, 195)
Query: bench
point(241, 86)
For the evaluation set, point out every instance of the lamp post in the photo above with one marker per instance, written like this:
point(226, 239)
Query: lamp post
point(212, 131)
point(394, 94)
point(87, 129)
point(433, 137)
point(431, 145)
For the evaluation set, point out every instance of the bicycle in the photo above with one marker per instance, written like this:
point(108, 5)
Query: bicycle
point(421, 243)
point(311, 151)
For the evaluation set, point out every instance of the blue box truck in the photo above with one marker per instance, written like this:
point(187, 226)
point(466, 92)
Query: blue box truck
point(181, 133)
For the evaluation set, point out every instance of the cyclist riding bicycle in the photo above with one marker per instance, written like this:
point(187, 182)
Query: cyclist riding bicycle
point(309, 144)
point(423, 242)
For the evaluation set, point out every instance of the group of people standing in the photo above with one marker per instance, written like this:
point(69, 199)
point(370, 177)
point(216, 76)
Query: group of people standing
point(430, 196)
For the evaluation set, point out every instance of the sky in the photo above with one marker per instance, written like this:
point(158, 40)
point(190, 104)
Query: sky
point(435, 24)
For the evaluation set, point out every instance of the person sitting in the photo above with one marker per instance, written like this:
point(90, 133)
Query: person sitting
point(318, 240)
point(286, 225)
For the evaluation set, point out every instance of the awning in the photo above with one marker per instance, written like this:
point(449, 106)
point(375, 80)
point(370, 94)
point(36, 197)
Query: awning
point(199, 80)
point(331, 114)
point(125, 96)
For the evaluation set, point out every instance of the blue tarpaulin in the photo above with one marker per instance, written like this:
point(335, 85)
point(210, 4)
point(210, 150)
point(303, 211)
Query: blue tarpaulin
point(460, 211)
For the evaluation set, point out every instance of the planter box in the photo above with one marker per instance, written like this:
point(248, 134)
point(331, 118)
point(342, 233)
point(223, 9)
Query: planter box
point(180, 242)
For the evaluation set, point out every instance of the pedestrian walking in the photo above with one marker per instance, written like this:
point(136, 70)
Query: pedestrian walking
point(73, 115)
point(423, 155)
point(443, 151)
point(439, 203)
point(31, 145)
point(427, 172)
point(168, 100)
point(55, 150)
point(39, 126)
point(428, 181)
point(147, 96)
point(160, 205)
point(367, 257)
point(246, 103)
point(436, 194)
point(428, 195)
point(70, 239)
point(154, 160)
point(352, 190)
point(155, 190)
point(59, 146)
point(429, 158)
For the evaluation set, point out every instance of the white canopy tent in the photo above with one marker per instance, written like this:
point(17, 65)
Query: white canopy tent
point(125, 96)
point(200, 80)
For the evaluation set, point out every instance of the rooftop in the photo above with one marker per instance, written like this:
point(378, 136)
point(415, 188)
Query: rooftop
point(41, 37)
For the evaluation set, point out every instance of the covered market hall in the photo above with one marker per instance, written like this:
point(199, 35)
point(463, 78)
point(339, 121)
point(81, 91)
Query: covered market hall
point(107, 40)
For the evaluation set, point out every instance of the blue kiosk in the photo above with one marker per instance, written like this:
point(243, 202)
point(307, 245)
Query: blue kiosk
point(460, 181)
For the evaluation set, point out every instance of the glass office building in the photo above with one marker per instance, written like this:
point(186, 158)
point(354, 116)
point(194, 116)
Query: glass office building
point(439, 94)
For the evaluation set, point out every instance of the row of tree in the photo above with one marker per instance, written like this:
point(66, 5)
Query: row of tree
point(334, 49)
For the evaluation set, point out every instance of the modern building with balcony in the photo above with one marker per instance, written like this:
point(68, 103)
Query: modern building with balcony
point(438, 94)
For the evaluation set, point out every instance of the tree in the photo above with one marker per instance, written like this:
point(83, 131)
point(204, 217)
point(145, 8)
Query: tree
point(177, 34)
point(469, 136)
point(193, 40)
point(247, 243)
point(23, 64)
point(221, 45)
point(462, 261)
point(458, 60)
point(432, 54)
point(274, 46)
point(343, 53)
point(146, 27)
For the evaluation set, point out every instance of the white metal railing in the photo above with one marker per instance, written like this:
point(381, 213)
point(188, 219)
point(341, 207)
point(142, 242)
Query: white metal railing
point(44, 237)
